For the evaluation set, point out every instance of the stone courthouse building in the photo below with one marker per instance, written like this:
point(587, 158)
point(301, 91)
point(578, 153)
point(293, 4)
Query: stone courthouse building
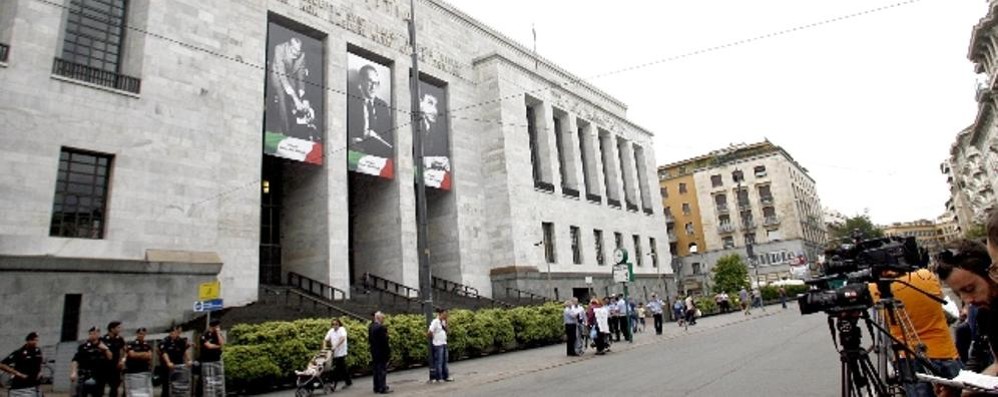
point(150, 146)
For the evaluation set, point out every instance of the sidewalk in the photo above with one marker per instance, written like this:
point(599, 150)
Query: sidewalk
point(500, 367)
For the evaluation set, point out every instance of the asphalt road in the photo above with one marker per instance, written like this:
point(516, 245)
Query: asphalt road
point(776, 353)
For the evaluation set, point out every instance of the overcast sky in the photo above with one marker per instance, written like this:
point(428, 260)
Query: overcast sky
point(869, 105)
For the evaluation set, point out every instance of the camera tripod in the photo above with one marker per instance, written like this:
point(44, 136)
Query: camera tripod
point(859, 376)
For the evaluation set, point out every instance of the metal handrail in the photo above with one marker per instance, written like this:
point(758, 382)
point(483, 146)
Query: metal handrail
point(316, 288)
point(90, 74)
point(382, 284)
point(521, 293)
point(465, 290)
point(303, 296)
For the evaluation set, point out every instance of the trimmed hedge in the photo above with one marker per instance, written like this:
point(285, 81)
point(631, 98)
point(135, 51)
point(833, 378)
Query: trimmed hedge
point(260, 355)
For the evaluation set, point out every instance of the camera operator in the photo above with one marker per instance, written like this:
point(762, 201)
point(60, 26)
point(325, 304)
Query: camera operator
point(928, 322)
point(964, 266)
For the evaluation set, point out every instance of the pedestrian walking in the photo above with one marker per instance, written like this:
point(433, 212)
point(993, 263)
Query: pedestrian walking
point(212, 369)
point(783, 297)
point(623, 320)
point(743, 297)
point(691, 309)
point(642, 313)
point(377, 337)
point(111, 371)
point(24, 365)
point(175, 360)
point(725, 302)
point(89, 361)
point(438, 335)
point(656, 312)
point(679, 310)
point(757, 299)
point(601, 320)
point(336, 340)
point(571, 320)
point(137, 363)
point(581, 330)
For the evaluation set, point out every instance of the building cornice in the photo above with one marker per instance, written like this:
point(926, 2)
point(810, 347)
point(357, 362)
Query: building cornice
point(978, 36)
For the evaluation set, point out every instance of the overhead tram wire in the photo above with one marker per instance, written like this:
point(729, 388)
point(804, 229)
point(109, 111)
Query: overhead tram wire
point(701, 51)
point(449, 113)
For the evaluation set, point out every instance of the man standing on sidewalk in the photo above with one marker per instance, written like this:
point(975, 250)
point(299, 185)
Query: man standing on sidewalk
point(138, 366)
point(438, 333)
point(571, 319)
point(175, 358)
point(212, 370)
point(112, 371)
point(743, 297)
point(377, 336)
point(655, 305)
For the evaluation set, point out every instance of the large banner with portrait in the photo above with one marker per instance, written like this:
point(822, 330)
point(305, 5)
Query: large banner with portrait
point(294, 127)
point(370, 120)
point(436, 142)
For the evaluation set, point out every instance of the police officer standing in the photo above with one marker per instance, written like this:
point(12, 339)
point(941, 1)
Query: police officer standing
point(25, 366)
point(212, 370)
point(112, 371)
point(91, 357)
point(138, 365)
point(174, 353)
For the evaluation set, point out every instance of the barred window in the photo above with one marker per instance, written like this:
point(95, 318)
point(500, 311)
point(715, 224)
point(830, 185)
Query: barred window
point(80, 194)
point(94, 33)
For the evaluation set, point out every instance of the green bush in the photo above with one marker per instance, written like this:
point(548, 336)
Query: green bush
point(770, 293)
point(272, 351)
point(707, 305)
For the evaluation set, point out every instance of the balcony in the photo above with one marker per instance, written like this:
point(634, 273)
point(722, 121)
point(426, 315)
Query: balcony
point(766, 200)
point(748, 225)
point(95, 76)
point(722, 208)
point(673, 237)
point(669, 218)
point(613, 203)
point(569, 192)
point(595, 198)
point(771, 221)
point(632, 207)
point(4, 50)
point(725, 228)
point(743, 206)
point(648, 211)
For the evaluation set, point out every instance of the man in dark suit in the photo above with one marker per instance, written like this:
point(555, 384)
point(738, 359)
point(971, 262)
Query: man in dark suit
point(377, 336)
point(369, 119)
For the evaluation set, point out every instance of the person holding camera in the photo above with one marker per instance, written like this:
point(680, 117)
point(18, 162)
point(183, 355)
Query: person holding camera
point(928, 321)
point(90, 359)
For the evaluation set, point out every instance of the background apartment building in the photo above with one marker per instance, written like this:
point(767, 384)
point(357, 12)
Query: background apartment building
point(929, 234)
point(754, 195)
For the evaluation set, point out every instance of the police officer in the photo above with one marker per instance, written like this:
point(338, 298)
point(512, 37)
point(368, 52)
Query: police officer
point(138, 365)
point(25, 366)
point(91, 357)
point(174, 354)
point(212, 370)
point(112, 371)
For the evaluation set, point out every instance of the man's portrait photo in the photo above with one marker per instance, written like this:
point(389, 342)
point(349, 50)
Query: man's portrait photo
point(436, 142)
point(369, 117)
point(295, 85)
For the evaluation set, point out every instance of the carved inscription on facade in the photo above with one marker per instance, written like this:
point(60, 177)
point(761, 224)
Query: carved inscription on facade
point(395, 36)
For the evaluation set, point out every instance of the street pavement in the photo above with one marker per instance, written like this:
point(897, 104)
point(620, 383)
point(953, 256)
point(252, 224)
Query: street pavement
point(771, 353)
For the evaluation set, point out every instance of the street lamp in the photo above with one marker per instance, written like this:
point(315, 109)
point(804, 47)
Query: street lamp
point(544, 254)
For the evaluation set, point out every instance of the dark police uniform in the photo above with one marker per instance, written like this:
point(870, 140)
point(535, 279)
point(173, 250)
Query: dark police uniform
point(90, 361)
point(174, 349)
point(27, 361)
point(111, 373)
point(212, 368)
point(133, 365)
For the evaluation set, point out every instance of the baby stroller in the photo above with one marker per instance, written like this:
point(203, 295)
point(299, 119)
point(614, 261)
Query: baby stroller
point(310, 380)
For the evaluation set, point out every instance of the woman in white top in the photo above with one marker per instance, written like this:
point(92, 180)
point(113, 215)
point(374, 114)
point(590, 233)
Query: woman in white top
point(337, 341)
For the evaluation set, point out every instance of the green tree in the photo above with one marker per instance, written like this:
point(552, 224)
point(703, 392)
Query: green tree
point(975, 232)
point(730, 273)
point(843, 231)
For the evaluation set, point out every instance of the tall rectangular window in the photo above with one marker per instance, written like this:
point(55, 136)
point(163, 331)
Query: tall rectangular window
point(80, 203)
point(598, 237)
point(559, 143)
point(626, 173)
point(586, 154)
point(610, 180)
point(70, 317)
point(535, 156)
point(654, 251)
point(576, 245)
point(549, 248)
point(644, 189)
point(638, 257)
point(715, 181)
point(682, 188)
point(94, 33)
point(618, 240)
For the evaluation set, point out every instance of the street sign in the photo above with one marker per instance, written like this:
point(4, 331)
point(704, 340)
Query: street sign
point(589, 280)
point(620, 273)
point(209, 291)
point(207, 305)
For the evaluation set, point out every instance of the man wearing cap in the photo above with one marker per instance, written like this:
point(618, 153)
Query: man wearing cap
point(174, 354)
point(112, 368)
point(25, 366)
point(138, 366)
point(655, 304)
point(90, 358)
point(212, 370)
